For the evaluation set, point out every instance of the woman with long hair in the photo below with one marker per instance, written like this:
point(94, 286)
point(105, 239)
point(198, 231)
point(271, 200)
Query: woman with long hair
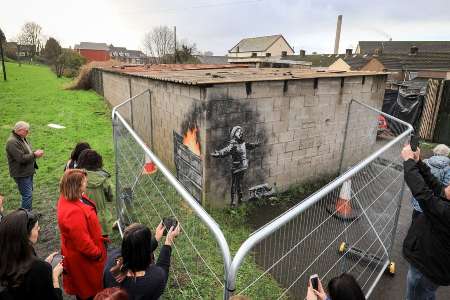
point(82, 243)
point(72, 163)
point(99, 187)
point(342, 287)
point(133, 268)
point(22, 274)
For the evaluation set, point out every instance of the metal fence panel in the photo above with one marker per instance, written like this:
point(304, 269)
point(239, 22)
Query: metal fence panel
point(147, 192)
point(347, 226)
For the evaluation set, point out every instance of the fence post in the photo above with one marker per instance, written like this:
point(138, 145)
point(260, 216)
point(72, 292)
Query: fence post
point(115, 125)
point(345, 137)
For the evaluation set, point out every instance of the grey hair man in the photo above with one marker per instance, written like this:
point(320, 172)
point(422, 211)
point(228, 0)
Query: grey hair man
point(22, 161)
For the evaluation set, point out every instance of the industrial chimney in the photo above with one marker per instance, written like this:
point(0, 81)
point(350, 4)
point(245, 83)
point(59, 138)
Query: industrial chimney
point(302, 53)
point(338, 34)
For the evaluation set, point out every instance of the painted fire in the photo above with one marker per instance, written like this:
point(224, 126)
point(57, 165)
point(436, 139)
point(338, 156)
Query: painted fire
point(190, 139)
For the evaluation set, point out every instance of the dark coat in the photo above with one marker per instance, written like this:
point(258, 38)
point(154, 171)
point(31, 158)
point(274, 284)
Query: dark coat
point(427, 244)
point(21, 161)
point(148, 287)
point(37, 284)
point(238, 151)
point(83, 247)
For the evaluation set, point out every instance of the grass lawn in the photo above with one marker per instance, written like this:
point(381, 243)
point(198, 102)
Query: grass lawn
point(34, 94)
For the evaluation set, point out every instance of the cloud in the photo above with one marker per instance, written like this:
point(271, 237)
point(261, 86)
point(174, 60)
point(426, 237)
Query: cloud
point(218, 25)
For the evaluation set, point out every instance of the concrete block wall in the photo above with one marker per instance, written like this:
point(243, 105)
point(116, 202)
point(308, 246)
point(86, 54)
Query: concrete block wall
point(169, 107)
point(300, 124)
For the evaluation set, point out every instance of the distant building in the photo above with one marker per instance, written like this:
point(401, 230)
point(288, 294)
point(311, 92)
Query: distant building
point(93, 51)
point(26, 51)
point(211, 59)
point(401, 47)
point(414, 64)
point(264, 46)
point(122, 54)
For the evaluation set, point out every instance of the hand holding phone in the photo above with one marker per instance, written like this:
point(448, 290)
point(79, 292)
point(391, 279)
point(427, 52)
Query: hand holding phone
point(314, 281)
point(57, 258)
point(414, 142)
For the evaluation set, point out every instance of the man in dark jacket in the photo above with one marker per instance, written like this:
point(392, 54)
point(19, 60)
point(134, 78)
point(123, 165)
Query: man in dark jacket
point(427, 244)
point(22, 162)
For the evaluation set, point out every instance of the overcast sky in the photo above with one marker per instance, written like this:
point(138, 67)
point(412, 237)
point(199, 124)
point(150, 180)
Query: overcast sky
point(217, 25)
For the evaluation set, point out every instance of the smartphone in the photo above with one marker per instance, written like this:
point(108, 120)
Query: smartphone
point(57, 258)
point(169, 222)
point(414, 142)
point(314, 281)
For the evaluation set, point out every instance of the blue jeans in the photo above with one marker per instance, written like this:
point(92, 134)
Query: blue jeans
point(25, 185)
point(419, 287)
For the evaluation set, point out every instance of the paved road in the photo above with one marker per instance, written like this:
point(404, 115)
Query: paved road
point(394, 287)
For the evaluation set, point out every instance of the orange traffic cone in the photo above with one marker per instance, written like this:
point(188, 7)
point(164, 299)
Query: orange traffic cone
point(342, 208)
point(149, 167)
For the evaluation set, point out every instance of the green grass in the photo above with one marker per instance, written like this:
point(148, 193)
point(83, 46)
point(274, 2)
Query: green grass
point(34, 94)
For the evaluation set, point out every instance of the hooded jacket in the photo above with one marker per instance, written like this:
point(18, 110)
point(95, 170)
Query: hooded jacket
point(427, 244)
point(21, 161)
point(99, 190)
point(440, 168)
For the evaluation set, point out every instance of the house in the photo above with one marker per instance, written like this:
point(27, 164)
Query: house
point(401, 47)
point(122, 54)
point(263, 46)
point(212, 59)
point(350, 62)
point(26, 51)
point(93, 51)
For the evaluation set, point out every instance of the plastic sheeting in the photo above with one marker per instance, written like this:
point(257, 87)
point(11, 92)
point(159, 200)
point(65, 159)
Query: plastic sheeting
point(406, 103)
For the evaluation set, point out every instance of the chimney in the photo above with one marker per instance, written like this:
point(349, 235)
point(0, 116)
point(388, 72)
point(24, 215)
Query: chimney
point(348, 52)
point(237, 50)
point(338, 34)
point(302, 53)
point(414, 50)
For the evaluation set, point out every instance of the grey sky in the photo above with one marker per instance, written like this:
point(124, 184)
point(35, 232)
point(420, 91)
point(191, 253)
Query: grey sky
point(218, 25)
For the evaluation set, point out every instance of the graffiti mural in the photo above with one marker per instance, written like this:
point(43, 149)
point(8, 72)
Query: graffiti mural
point(237, 148)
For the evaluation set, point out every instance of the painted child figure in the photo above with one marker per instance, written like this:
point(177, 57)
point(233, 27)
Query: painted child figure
point(237, 148)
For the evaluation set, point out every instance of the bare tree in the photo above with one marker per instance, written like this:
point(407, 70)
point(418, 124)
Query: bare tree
point(159, 43)
point(31, 35)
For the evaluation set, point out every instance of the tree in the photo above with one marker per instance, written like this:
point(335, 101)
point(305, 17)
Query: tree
point(31, 35)
point(68, 59)
point(2, 40)
point(159, 43)
point(185, 53)
point(52, 51)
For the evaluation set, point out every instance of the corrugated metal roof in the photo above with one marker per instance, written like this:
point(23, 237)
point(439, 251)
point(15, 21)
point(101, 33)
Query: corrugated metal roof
point(255, 44)
point(92, 46)
point(216, 74)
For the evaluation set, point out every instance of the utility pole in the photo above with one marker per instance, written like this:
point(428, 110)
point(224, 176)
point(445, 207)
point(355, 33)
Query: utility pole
point(175, 42)
point(2, 39)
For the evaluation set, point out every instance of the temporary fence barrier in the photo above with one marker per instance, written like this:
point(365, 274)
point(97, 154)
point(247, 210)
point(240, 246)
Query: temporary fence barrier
point(347, 226)
point(147, 192)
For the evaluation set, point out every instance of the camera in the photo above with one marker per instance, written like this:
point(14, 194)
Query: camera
point(169, 222)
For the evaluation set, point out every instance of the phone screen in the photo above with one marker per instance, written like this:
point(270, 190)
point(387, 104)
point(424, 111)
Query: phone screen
point(315, 282)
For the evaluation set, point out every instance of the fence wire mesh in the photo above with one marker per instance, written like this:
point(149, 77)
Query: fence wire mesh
point(146, 196)
point(349, 228)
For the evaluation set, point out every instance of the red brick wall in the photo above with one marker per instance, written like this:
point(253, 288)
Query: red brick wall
point(97, 55)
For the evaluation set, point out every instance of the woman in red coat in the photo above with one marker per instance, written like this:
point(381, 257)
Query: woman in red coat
point(82, 243)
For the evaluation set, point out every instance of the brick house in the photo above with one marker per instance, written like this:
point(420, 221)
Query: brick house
point(93, 51)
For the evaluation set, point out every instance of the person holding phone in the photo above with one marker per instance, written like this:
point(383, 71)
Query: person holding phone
point(134, 269)
point(426, 244)
point(343, 287)
point(23, 275)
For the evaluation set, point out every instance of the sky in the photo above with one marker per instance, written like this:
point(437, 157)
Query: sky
point(217, 25)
